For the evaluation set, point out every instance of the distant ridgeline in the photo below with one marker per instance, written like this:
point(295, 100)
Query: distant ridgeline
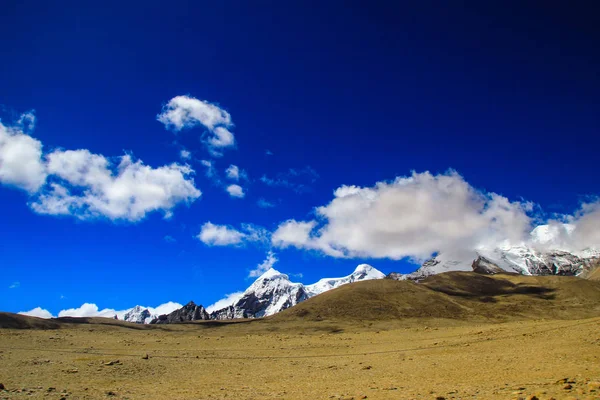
point(273, 291)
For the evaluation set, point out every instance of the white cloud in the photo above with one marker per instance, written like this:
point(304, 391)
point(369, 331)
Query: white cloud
point(412, 216)
point(235, 191)
point(14, 285)
point(89, 310)
point(233, 172)
point(262, 203)
point(185, 154)
point(587, 226)
point(38, 312)
point(227, 301)
point(27, 120)
point(220, 235)
point(574, 233)
point(267, 264)
point(21, 163)
point(223, 235)
point(185, 112)
point(90, 186)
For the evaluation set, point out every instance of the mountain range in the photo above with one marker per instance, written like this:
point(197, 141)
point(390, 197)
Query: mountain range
point(273, 291)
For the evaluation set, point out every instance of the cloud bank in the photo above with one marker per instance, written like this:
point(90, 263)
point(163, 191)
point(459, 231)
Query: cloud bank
point(413, 216)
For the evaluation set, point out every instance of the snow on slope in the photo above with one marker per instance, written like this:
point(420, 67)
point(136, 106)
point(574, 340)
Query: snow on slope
point(273, 292)
point(362, 273)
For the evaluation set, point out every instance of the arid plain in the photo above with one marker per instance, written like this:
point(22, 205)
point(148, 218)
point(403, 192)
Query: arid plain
point(455, 336)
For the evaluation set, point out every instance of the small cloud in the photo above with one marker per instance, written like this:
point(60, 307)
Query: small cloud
point(185, 154)
point(224, 235)
point(235, 191)
point(169, 239)
point(186, 112)
point(262, 203)
point(233, 172)
point(268, 152)
point(14, 285)
point(267, 264)
point(27, 120)
point(220, 235)
point(62, 297)
point(299, 275)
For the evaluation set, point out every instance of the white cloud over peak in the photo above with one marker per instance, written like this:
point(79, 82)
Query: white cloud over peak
point(267, 264)
point(90, 186)
point(185, 112)
point(21, 163)
point(574, 233)
point(37, 312)
point(227, 301)
point(412, 216)
point(235, 191)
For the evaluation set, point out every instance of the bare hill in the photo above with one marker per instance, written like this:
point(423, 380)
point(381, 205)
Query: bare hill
point(455, 295)
point(17, 321)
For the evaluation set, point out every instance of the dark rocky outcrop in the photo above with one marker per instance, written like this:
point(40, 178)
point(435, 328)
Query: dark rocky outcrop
point(189, 312)
point(484, 266)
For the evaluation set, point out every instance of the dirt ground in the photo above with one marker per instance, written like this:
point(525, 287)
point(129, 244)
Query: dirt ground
point(410, 359)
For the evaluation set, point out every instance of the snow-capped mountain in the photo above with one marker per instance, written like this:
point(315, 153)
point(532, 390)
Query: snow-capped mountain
point(273, 292)
point(546, 253)
point(269, 294)
point(138, 315)
point(362, 273)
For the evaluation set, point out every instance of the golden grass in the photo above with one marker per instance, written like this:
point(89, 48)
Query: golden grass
point(433, 343)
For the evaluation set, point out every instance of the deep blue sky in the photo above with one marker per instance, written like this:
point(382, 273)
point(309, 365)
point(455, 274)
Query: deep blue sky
point(506, 93)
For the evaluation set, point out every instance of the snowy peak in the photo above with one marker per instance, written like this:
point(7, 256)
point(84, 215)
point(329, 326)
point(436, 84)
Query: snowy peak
point(273, 292)
point(362, 273)
point(272, 273)
point(137, 315)
point(516, 259)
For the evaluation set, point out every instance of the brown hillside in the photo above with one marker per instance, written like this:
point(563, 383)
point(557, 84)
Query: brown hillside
point(455, 295)
point(17, 321)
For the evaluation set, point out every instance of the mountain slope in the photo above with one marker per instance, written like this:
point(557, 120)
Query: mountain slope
point(455, 295)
